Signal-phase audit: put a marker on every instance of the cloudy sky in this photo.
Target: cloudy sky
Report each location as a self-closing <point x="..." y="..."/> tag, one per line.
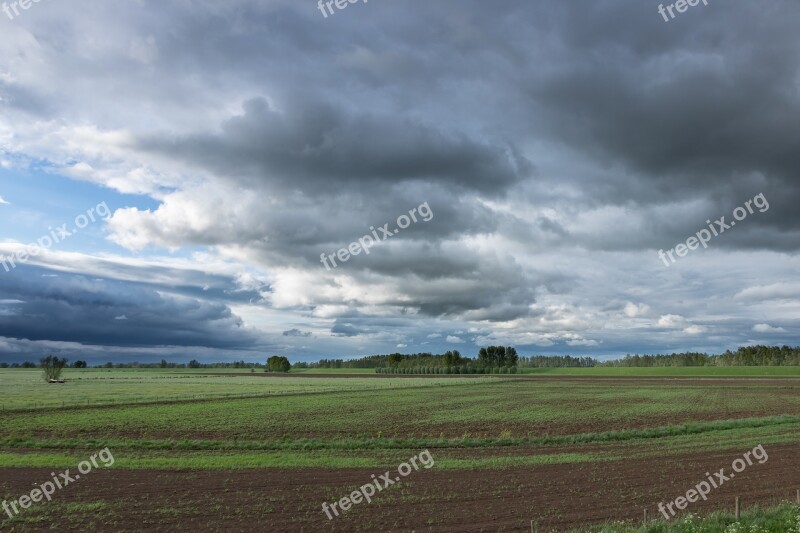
<point x="222" y="146"/>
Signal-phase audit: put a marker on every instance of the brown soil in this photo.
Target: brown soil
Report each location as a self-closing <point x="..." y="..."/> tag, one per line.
<point x="558" y="497"/>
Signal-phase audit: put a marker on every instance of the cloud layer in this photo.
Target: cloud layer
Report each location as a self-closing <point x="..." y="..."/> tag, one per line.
<point x="559" y="146"/>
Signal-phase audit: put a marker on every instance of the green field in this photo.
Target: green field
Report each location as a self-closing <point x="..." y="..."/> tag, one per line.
<point x="25" y="389"/>
<point x="333" y="371"/>
<point x="687" y="371"/>
<point x="290" y="414"/>
<point x="179" y="420"/>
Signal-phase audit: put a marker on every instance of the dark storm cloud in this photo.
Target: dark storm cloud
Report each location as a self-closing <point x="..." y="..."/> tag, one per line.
<point x="74" y="308"/>
<point x="718" y="95"/>
<point x="478" y="286"/>
<point x="557" y="143"/>
<point x="346" y="329"/>
<point x="190" y="282"/>
<point x="294" y="332"/>
<point x="702" y="107"/>
<point x="318" y="148"/>
<point x="387" y="328"/>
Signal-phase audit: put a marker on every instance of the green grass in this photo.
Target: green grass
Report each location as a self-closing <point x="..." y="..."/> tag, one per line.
<point x="457" y="453"/>
<point x="79" y="515"/>
<point x="713" y="371"/>
<point x="25" y="389"/>
<point x="332" y="371"/>
<point x="402" y="408"/>
<point x="291" y="459"/>
<point x="495" y="422"/>
<point x="783" y="518"/>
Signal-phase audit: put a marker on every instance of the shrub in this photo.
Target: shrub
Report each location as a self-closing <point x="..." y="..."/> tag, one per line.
<point x="52" y="367"/>
<point x="278" y="363"/>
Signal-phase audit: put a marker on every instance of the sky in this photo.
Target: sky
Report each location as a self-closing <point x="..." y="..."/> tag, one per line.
<point x="216" y="164"/>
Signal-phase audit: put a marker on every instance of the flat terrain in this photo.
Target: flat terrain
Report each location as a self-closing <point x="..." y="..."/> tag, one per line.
<point x="206" y="450"/>
<point x="24" y="389"/>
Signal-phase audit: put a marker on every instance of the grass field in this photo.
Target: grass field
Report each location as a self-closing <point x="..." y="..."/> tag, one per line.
<point x="693" y="371"/>
<point x="563" y="449"/>
<point x="332" y="371"/>
<point x="25" y="389"/>
<point x="688" y="371"/>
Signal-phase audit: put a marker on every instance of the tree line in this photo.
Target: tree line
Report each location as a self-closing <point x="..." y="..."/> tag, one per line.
<point x="29" y="364"/>
<point x="556" y="361"/>
<point x="758" y="355"/>
<point x="489" y="357"/>
<point x="507" y="357"/>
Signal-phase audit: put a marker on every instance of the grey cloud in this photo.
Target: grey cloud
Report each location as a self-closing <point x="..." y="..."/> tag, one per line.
<point x="318" y="148"/>
<point x="512" y="119"/>
<point x="294" y="332"/>
<point x="74" y="308"/>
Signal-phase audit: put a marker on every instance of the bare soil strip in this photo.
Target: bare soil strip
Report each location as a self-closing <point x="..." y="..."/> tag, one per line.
<point x="558" y="497"/>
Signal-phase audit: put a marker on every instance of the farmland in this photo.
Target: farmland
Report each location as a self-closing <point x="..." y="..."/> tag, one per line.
<point x="239" y="450"/>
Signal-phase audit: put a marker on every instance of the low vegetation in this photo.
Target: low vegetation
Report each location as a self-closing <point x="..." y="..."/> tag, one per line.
<point x="538" y="440"/>
<point x="52" y="367"/>
<point x="783" y="518"/>
<point x="278" y="363"/>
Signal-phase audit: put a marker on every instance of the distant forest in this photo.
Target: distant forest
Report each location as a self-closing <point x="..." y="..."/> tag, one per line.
<point x="489" y="357"/>
<point x="503" y="358"/>
<point x="745" y="356"/>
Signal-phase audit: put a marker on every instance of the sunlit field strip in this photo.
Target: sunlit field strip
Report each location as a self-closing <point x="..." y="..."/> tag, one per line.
<point x="25" y="389"/>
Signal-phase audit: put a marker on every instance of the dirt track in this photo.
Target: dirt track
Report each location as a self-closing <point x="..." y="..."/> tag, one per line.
<point x="557" y="496"/>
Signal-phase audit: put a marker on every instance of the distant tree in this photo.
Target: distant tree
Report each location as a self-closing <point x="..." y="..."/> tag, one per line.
<point x="28" y="364"/>
<point x="109" y="365"/>
<point x="194" y="363"/>
<point x="497" y="357"/>
<point x="500" y="355"/>
<point x="395" y="359"/>
<point x="556" y="361"/>
<point x="278" y="363"/>
<point x="52" y="367"/>
<point x="79" y="364"/>
<point x="511" y="356"/>
<point x="163" y="363"/>
<point x="483" y="356"/>
<point x="452" y="358"/>
<point x="3" y="365"/>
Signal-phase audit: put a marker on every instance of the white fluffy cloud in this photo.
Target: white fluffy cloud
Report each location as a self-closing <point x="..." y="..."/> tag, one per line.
<point x="551" y="197"/>
<point x="766" y="328"/>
